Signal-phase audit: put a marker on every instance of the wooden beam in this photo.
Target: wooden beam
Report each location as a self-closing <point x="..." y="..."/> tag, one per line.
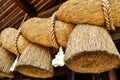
<point x="95" y="76"/>
<point x="27" y="7"/>
<point x="116" y="36"/>
<point x="48" y="12"/>
<point x="112" y="75"/>
<point x="71" y="75"/>
<point x="104" y="76"/>
<point x="11" y="20"/>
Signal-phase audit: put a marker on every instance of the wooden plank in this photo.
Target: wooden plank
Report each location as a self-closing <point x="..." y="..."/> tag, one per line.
<point x="49" y="5"/>
<point x="104" y="76"/>
<point x="112" y="75"/>
<point x="10" y="15"/>
<point x="2" y="2"/>
<point x="95" y="76"/>
<point x="116" y="36"/>
<point x="16" y="21"/>
<point x="48" y="12"/>
<point x="11" y="20"/>
<point x="5" y="5"/>
<point x="23" y="4"/>
<point x="7" y="11"/>
<point x="44" y="4"/>
<point x="71" y="75"/>
<point x="34" y="2"/>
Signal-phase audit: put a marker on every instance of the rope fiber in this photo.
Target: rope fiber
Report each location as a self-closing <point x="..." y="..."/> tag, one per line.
<point x="107" y="14"/>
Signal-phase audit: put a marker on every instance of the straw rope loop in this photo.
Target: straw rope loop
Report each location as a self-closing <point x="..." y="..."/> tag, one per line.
<point x="51" y="24"/>
<point x="107" y="15"/>
<point x="17" y="36"/>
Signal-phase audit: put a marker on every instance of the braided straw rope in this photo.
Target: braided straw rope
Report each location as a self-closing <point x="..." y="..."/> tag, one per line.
<point x="17" y="36"/>
<point x="16" y="46"/>
<point x="107" y="15"/>
<point x="51" y="24"/>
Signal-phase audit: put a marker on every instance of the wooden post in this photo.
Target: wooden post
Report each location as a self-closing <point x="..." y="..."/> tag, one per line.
<point x="112" y="75"/>
<point x="95" y="76"/>
<point x="71" y="75"/>
<point x="104" y="76"/>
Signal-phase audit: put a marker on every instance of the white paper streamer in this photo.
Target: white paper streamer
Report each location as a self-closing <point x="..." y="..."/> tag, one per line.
<point x="59" y="58"/>
<point x="13" y="66"/>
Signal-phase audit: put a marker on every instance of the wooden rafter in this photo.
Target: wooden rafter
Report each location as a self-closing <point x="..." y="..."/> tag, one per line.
<point x="23" y="4"/>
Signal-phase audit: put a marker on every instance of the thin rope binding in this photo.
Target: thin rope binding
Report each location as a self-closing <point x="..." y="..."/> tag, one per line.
<point x="107" y="14"/>
<point x="51" y="24"/>
<point x="16" y="46"/>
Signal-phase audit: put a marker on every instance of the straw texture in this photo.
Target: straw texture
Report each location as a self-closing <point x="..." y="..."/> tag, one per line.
<point x="6" y="61"/>
<point x="8" y="37"/>
<point x="0" y="41"/>
<point x="88" y="11"/>
<point x="90" y="49"/>
<point x="37" y="31"/>
<point x="37" y="64"/>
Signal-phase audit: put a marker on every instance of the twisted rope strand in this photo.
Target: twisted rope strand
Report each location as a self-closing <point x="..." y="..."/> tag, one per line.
<point x="51" y="24"/>
<point x="107" y="14"/>
<point x="16" y="46"/>
<point x="17" y="36"/>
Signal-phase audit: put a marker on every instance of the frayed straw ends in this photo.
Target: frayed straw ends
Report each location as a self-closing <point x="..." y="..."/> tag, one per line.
<point x="6" y="61"/>
<point x="90" y="49"/>
<point x="35" y="61"/>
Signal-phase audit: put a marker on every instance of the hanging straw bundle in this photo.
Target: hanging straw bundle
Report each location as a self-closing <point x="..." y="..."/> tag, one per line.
<point x="35" y="61"/>
<point x="6" y="61"/>
<point x="90" y="49"/>
<point x="90" y="11"/>
<point x="8" y="37"/>
<point x="37" y="30"/>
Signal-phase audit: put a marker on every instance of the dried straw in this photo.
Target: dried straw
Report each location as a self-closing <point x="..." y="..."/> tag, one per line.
<point x="35" y="61"/>
<point x="90" y="49"/>
<point x="8" y="37"/>
<point x="0" y="41"/>
<point x="89" y="11"/>
<point x="37" y="31"/>
<point x="6" y="61"/>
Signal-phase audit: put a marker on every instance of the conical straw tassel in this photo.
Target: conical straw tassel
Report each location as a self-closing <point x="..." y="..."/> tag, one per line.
<point x="35" y="61"/>
<point x="6" y="61"/>
<point x="90" y="49"/>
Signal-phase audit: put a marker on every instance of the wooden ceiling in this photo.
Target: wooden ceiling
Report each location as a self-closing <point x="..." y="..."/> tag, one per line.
<point x="13" y="11"/>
